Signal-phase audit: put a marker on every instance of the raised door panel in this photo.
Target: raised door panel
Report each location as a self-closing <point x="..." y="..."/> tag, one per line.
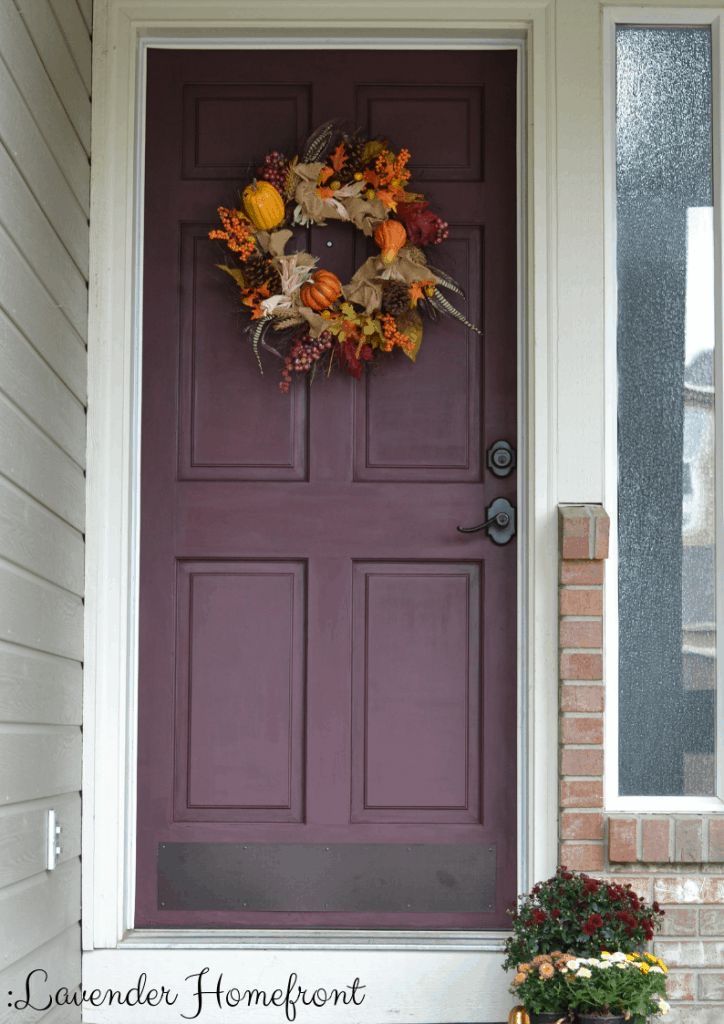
<point x="428" y="111"/>
<point x="416" y="683"/>
<point x="424" y="420"/>
<point x="233" y="423"/>
<point x="240" y="691"/>
<point x="217" y="147"/>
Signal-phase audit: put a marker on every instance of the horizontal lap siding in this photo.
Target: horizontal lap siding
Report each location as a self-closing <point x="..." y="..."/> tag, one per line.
<point x="45" y="77"/>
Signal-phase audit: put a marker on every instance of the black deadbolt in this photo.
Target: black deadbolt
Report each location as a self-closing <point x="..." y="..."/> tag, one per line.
<point x="501" y="458"/>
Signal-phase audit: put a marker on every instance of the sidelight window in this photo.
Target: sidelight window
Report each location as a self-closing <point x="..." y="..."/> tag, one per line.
<point x="668" y="368"/>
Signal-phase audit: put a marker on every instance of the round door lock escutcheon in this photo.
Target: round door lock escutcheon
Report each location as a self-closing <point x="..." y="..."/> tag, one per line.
<point x="501" y="458"/>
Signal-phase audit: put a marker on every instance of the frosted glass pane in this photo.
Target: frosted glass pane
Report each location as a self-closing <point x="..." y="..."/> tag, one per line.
<point x="665" y="265"/>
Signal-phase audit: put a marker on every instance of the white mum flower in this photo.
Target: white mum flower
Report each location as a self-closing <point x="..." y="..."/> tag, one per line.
<point x="583" y="972"/>
<point x="655" y="970"/>
<point x="663" y="1006"/>
<point x="573" y="965"/>
<point x="622" y="966"/>
<point x="605" y="964"/>
<point x="618" y="956"/>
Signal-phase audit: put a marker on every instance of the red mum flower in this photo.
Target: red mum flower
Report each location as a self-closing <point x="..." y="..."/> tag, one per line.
<point x="591" y="885"/>
<point x="594" y="922"/>
<point x="539" y="916"/>
<point x="555" y="914"/>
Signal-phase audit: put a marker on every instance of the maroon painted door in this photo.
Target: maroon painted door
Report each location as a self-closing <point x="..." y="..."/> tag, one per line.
<point x="327" y="691"/>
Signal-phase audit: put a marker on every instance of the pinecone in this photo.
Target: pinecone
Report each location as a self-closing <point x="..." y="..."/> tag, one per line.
<point x="257" y="270"/>
<point x="395" y="298"/>
<point x="274" y="280"/>
<point x="355" y="146"/>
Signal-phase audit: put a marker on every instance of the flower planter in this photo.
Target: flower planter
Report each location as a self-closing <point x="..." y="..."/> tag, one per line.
<point x="589" y="1018"/>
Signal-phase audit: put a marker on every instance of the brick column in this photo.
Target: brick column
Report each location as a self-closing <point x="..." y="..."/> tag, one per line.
<point x="676" y="859"/>
<point x="583" y="548"/>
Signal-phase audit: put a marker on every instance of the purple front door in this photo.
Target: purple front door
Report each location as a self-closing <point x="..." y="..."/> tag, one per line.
<point x="327" y="676"/>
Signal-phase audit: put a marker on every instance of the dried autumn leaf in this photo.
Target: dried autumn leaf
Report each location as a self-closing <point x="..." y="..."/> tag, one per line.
<point x="372" y="177"/>
<point x="417" y="289"/>
<point x="339" y="157"/>
<point x="411" y="325"/>
<point x="234" y="272"/>
<point x="372" y="148"/>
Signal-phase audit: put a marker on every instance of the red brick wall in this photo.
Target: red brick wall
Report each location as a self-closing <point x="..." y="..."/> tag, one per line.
<point x="675" y="859"/>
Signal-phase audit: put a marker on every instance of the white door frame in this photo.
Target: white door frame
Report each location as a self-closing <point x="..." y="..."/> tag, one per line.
<point x="122" y="32"/>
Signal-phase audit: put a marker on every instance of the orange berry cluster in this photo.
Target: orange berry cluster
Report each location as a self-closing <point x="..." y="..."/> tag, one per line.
<point x="393" y="168"/>
<point x="237" y="232"/>
<point x="393" y="335"/>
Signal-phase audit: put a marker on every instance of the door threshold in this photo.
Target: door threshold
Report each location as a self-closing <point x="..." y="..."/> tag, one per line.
<point x="309" y="938"/>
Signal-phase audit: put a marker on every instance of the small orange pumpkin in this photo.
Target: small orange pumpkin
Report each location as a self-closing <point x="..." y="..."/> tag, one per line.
<point x="263" y="205"/>
<point x="323" y="289"/>
<point x="390" y="235"/>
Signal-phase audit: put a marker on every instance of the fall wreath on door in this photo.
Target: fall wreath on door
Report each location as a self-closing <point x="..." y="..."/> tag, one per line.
<point x="303" y="313"/>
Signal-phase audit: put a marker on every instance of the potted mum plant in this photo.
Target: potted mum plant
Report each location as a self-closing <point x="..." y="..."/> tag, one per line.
<point x="617" y="987"/>
<point x="573" y="916"/>
<point x="543" y="987"/>
<point x="578" y="914"/>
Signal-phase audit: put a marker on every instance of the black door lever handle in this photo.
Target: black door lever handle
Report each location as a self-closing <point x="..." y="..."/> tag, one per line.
<point x="500" y="523"/>
<point x="499" y="519"/>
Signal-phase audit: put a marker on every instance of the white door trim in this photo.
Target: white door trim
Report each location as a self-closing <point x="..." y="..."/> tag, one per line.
<point x="122" y="30"/>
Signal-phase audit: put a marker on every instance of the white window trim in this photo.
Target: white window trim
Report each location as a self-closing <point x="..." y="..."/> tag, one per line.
<point x="685" y="16"/>
<point x="109" y="748"/>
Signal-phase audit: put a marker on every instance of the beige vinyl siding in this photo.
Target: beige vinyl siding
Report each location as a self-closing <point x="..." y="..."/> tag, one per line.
<point x="45" y="78"/>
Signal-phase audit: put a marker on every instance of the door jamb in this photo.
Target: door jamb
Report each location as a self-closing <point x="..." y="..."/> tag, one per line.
<point x="124" y="31"/>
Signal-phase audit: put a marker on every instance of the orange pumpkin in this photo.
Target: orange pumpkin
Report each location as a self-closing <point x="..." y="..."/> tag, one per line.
<point x="323" y="289"/>
<point x="390" y="235"/>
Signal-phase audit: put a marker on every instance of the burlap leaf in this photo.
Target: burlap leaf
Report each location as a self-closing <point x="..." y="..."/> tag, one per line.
<point x="274" y="242"/>
<point x="365" y="288"/>
<point x="316" y="323"/>
<point x="366" y="214"/>
<point x="407" y="270"/>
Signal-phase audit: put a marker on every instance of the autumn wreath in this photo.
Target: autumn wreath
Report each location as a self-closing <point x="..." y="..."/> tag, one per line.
<point x="303" y="313"/>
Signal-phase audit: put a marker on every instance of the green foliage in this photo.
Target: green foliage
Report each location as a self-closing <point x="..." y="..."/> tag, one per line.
<point x="630" y="985"/>
<point x="541" y="986"/>
<point x="578" y="914"/>
<point x="632" y="988"/>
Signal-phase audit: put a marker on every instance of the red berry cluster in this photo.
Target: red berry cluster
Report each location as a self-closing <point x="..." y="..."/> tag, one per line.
<point x="274" y="170"/>
<point x="303" y="354"/>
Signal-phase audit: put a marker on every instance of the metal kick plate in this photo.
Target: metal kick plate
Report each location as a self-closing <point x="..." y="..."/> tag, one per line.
<point x="422" y="878"/>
